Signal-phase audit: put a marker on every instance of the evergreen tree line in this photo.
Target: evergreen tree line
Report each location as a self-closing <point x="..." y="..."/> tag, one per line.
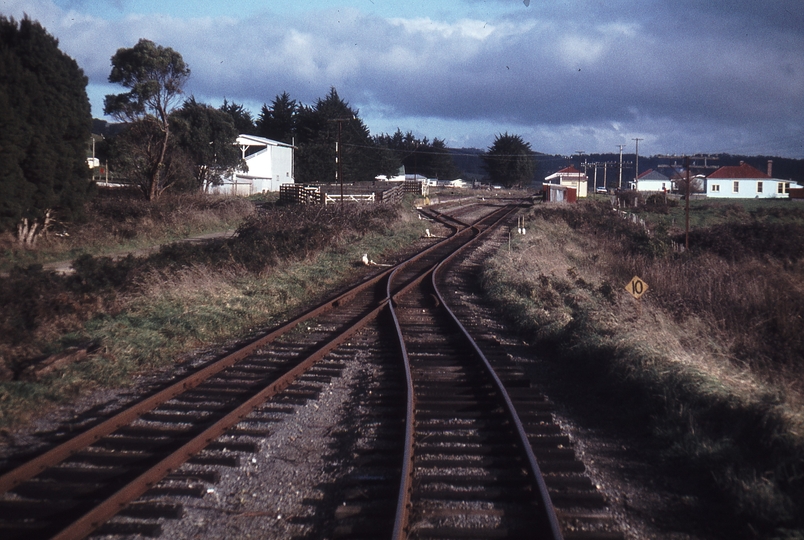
<point x="167" y="141"/>
<point x="202" y="150"/>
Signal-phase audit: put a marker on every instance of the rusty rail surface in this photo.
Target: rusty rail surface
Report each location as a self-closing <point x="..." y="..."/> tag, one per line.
<point x="402" y="525"/>
<point x="431" y="500"/>
<point x="580" y="510"/>
<point x="403" y="503"/>
<point x="90" y="520"/>
<point x="547" y="509"/>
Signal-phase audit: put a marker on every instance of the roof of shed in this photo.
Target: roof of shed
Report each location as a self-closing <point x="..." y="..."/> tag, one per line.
<point x="570" y="171"/>
<point x="253" y="140"/>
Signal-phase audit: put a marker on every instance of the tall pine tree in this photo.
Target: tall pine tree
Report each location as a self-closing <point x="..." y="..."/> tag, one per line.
<point x="510" y="161"/>
<point x="317" y="132"/>
<point x="278" y="122"/>
<point x="45" y="128"/>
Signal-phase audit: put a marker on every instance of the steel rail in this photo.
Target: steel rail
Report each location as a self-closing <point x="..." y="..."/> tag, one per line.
<point x="401" y="519"/>
<point x="28" y="470"/>
<point x="403" y="500"/>
<point x="534" y="471"/>
<point x="10" y="479"/>
<point x="91" y="520"/>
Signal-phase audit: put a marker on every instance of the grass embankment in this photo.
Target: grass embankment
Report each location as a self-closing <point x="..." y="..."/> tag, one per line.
<point x="144" y="313"/>
<point x="710" y="361"/>
<point x="120" y="220"/>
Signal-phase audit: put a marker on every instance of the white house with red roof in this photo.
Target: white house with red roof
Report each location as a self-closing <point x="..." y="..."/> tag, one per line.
<point x="746" y="182"/>
<point x="570" y="177"/>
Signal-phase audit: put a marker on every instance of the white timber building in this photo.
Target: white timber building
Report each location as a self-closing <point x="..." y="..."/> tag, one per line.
<point x="572" y="178"/>
<point x="652" y="181"/>
<point x="270" y="164"/>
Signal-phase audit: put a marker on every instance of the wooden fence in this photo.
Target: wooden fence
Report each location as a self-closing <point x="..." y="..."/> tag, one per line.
<point x="332" y="198"/>
<point x="297" y="193"/>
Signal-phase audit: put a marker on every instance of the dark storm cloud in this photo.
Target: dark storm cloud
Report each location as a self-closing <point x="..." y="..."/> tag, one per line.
<point x="705" y="76"/>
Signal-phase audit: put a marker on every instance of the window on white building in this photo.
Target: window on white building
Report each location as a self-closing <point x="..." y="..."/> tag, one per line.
<point x="759" y="187"/>
<point x="782" y="187"/>
<point x="715" y="188"/>
<point x="736" y="187"/>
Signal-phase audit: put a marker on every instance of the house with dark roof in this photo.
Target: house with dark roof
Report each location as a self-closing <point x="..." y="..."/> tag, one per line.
<point x="652" y="181"/>
<point x="570" y="177"/>
<point x="746" y="182"/>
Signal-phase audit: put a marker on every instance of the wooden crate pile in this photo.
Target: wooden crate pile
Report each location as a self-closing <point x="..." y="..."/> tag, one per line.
<point x="297" y="193"/>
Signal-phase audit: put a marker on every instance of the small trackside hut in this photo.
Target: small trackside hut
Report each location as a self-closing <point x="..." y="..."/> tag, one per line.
<point x="569" y="177"/>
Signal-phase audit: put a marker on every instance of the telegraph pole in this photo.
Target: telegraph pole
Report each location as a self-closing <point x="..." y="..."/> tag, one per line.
<point x="620" y="184"/>
<point x="688" y="164"/>
<point x="580" y="153"/>
<point x="338" y="168"/>
<point x="636" y="173"/>
<point x="687" y="216"/>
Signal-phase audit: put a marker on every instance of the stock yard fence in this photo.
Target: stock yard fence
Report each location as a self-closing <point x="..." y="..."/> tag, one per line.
<point x="301" y="194"/>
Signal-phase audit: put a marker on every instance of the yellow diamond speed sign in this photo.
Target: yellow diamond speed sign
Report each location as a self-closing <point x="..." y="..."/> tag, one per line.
<point x="636" y="287"/>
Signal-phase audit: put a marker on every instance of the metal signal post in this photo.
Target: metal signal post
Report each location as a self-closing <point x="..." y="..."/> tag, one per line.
<point x="339" y="169"/>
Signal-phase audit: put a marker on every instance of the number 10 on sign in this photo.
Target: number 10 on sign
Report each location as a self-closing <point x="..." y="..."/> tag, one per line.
<point x="636" y="287"/>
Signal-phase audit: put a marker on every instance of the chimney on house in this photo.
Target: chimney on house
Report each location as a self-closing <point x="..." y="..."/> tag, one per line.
<point x="770" y="168"/>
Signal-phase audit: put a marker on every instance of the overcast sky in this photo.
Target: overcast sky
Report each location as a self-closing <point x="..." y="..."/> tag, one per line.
<point x="685" y="76"/>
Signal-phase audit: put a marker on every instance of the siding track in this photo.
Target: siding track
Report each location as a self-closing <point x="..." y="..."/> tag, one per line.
<point x="469" y="470"/>
<point x="447" y="446"/>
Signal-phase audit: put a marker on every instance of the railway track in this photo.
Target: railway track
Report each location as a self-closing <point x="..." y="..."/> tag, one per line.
<point x="473" y="428"/>
<point x="580" y="508"/>
<point x="469" y="470"/>
<point x="74" y="488"/>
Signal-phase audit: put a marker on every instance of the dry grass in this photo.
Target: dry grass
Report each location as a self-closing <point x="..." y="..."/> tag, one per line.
<point x="123" y="221"/>
<point x="145" y="313"/>
<point x="707" y="358"/>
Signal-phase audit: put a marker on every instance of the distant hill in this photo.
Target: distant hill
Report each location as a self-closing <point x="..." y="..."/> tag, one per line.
<point x="107" y="129"/>
<point x="468" y="162"/>
<point x="782" y="168"/>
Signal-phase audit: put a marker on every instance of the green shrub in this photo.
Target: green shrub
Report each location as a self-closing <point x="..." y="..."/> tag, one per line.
<point x="736" y="242"/>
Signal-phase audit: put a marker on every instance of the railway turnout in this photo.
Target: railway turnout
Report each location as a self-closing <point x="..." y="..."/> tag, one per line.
<point x="464" y="463"/>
